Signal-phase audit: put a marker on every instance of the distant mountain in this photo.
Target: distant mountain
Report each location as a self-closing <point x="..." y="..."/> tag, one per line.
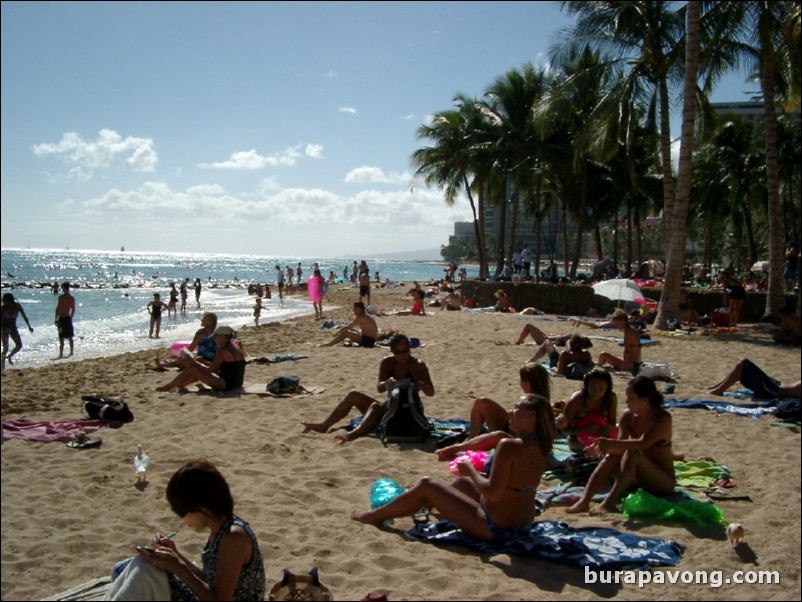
<point x="421" y="255"/>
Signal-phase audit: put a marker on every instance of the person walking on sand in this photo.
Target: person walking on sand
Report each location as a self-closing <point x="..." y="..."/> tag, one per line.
<point x="364" y="287"/>
<point x="316" y="287"/>
<point x="12" y="309"/>
<point x="155" y="309"/>
<point x="393" y="368"/>
<point x="363" y="330"/>
<point x="65" y="310"/>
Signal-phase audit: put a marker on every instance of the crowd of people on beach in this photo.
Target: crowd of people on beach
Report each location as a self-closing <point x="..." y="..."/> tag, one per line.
<point x="495" y="502"/>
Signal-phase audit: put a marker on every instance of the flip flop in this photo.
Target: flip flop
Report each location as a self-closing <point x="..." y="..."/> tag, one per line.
<point x="85" y="442"/>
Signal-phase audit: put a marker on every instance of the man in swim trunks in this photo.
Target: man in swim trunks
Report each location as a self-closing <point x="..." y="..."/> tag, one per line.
<point x="761" y="384"/>
<point x="12" y="309"/>
<point x="364" y="286"/>
<point x="363" y="330"/>
<point x="392" y="369"/>
<point x="65" y="310"/>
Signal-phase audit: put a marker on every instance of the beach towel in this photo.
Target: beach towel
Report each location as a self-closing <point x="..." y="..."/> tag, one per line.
<point x="48" y="431"/>
<point x="644" y="505"/>
<point x="560" y="543"/>
<point x="700" y="473"/>
<point x="286" y="357"/>
<point x="753" y="410"/>
<point x="250" y="389"/>
<point x="440" y="428"/>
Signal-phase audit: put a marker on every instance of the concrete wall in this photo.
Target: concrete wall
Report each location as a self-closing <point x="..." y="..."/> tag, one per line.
<point x="576" y="299"/>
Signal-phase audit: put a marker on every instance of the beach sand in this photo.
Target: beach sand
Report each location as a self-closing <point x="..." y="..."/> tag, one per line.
<point x="69" y="514"/>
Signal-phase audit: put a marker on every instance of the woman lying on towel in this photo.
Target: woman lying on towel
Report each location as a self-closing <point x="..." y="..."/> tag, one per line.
<point x="232" y="569"/>
<point x="226" y="372"/>
<point x="499" y="507"/>
<point x="642" y="456"/>
<point x="590" y="412"/>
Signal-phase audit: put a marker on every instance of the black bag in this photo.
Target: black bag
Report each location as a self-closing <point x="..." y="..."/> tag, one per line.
<point x="789" y="410"/>
<point x="107" y="408"/>
<point x="285" y="385"/>
<point x="404" y="419"/>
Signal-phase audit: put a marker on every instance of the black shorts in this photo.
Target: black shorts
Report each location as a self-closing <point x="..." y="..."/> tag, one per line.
<point x="65" y="330"/>
<point x="364" y="290"/>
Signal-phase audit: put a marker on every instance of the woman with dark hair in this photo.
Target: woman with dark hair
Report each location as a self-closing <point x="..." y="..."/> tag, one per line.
<point x="232" y="569"/>
<point x="497" y="507"/>
<point x="590" y="412"/>
<point x="642" y="455"/>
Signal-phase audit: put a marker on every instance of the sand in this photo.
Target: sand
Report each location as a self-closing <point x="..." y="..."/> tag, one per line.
<point x="68" y="514"/>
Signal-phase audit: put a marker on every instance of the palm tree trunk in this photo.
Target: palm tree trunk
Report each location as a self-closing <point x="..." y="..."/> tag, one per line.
<point x="669" y="301"/>
<point x="775" y="298"/>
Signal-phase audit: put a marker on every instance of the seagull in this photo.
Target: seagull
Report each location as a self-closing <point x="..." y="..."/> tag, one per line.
<point x="735" y="533"/>
<point x="141" y="463"/>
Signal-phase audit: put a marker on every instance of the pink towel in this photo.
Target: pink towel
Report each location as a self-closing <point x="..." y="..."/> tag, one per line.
<point x="46" y="431"/>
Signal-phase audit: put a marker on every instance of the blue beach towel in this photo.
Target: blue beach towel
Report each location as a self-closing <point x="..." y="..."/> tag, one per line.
<point x="754" y="410"/>
<point x="558" y="542"/>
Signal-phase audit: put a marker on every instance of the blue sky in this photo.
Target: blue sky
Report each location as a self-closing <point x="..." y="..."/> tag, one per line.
<point x="271" y="128"/>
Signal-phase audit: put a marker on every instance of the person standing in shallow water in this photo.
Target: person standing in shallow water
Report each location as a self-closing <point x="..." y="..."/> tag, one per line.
<point x="11" y="309"/>
<point x="198" y="286"/>
<point x="65" y="310"/>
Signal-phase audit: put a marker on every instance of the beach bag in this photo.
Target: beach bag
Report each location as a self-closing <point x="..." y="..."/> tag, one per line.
<point x="285" y="385"/>
<point x="578" y="370"/>
<point x="107" y="408"/>
<point x="404" y="419"/>
<point x="300" y="587"/>
<point x="655" y="370"/>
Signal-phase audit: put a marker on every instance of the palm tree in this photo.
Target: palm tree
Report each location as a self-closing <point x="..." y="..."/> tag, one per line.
<point x="452" y="160"/>
<point x="509" y="109"/>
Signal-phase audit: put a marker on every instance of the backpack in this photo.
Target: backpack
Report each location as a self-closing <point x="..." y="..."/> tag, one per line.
<point x="285" y="385"/>
<point x="404" y="419"/>
<point x="107" y="408"/>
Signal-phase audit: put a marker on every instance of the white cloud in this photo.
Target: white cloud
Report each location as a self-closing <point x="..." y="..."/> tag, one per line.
<point x="314" y="150"/>
<point x="331" y="73"/>
<point x="366" y="174"/>
<point x="351" y="110"/>
<point x="271" y="205"/>
<point x="253" y="160"/>
<point x="108" y="150"/>
<point x="409" y="117"/>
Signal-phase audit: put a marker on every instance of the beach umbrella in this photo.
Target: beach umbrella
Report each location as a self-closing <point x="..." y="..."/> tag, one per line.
<point x="618" y="289"/>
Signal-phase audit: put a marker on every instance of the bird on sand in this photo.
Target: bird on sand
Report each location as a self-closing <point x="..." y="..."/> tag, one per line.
<point x="735" y="533"/>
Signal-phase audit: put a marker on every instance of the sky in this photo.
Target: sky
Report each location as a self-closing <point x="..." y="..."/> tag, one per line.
<point x="266" y="128"/>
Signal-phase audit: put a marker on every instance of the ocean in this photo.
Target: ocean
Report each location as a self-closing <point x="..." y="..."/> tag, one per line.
<point x="112" y="290"/>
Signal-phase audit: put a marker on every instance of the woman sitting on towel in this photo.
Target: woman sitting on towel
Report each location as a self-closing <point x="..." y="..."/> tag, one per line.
<point x="486" y="412"/>
<point x="499" y="507"/>
<point x="233" y="568"/>
<point x="203" y="345"/>
<point x="590" y="412"/>
<point x="226" y="372"/>
<point x="641" y="456"/>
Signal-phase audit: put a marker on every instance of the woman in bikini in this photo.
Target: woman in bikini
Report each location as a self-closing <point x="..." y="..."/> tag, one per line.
<point x="498" y="507"/>
<point x="642" y="456"/>
<point x="226" y="372"/>
<point x="590" y="412"/>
